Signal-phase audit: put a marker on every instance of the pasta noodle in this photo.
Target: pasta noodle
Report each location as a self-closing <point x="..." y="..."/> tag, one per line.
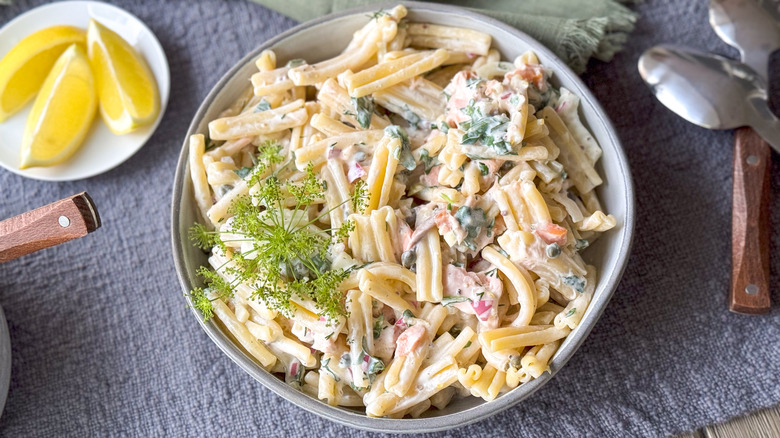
<point x="400" y="225"/>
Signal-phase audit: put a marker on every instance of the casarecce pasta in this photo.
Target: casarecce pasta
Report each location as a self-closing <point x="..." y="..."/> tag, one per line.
<point x="445" y="196"/>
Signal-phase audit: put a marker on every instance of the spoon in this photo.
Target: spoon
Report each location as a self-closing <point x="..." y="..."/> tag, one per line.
<point x="753" y="27"/>
<point x="749" y="27"/>
<point x="719" y="93"/>
<point x="710" y="91"/>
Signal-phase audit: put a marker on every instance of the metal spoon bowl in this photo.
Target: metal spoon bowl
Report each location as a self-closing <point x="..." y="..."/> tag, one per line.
<point x="749" y="26"/>
<point x="710" y="91"/>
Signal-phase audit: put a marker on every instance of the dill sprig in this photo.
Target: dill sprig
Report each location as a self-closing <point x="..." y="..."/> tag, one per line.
<point x="360" y="196"/>
<point x="217" y="286"/>
<point x="202" y="302"/>
<point x="268" y="153"/>
<point x="202" y="237"/>
<point x="288" y="256"/>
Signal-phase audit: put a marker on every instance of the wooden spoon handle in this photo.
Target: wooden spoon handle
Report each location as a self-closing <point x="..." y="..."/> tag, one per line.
<point x="50" y="225"/>
<point x="750" y="224"/>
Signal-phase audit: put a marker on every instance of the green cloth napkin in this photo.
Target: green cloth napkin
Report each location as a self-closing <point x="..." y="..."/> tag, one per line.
<point x="575" y="30"/>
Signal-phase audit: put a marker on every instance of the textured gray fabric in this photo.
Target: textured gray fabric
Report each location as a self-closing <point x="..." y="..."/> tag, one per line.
<point x="104" y="346"/>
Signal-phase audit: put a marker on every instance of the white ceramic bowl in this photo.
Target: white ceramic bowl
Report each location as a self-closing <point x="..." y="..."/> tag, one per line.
<point x="326" y="37"/>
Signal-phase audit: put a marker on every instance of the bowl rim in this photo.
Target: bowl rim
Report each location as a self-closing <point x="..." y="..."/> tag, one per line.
<point x="449" y="421"/>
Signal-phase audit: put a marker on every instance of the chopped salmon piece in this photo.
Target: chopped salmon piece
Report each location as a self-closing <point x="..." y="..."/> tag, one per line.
<point x="409" y="340"/>
<point x="552" y="233"/>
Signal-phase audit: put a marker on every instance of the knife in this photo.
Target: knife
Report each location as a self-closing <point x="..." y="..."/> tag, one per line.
<point x="50" y="225"/>
<point x="754" y="29"/>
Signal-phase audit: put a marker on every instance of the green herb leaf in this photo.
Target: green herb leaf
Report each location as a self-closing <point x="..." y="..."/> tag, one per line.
<point x="364" y="107"/>
<point x="209" y="142"/>
<point x="295" y="62"/>
<point x="294" y="373"/>
<point x="576" y="282"/>
<point x="378" y="326"/>
<point x="473" y="220"/>
<point x="324" y="366"/>
<point x="410" y="116"/>
<point x="377" y="14"/>
<point x="243" y="172"/>
<point x="448" y="301"/>
<point x="571" y="312"/>
<point x="474" y="82"/>
<point x="405" y="156"/>
<point x="262" y="106"/>
<point x="490" y="131"/>
<point x="375" y="365"/>
<point x="427" y="160"/>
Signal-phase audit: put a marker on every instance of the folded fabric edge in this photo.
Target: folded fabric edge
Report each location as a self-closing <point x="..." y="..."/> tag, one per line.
<point x="582" y="39"/>
<point x="621" y="19"/>
<point x="619" y="26"/>
<point x="610" y="45"/>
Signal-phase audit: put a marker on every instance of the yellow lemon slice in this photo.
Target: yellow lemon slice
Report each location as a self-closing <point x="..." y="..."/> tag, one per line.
<point x="23" y="69"/>
<point x="126" y="87"/>
<point x="62" y="113"/>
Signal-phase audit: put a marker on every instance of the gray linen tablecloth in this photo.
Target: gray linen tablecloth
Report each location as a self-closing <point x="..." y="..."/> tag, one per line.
<point x="103" y="344"/>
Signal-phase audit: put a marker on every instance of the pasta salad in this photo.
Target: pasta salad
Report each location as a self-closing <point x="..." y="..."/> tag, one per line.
<point x="402" y="224"/>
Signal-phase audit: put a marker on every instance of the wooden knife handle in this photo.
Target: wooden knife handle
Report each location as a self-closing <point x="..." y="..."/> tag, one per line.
<point x="50" y="225"/>
<point x="750" y="224"/>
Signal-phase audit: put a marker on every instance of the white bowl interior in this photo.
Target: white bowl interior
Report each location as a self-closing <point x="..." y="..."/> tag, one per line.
<point x="609" y="254"/>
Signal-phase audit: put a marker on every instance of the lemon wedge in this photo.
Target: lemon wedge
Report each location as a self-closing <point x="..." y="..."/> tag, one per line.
<point x="23" y="69"/>
<point x="62" y="113"/>
<point x="126" y="87"/>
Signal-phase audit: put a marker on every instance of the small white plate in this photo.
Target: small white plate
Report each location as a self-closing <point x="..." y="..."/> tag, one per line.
<point x="102" y="150"/>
